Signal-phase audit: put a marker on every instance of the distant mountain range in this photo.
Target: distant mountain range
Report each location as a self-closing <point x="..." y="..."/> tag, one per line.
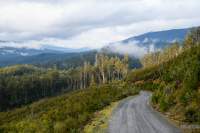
<point x="46" y="56"/>
<point x="49" y="54"/>
<point x="160" y="39"/>
<point x="25" y="51"/>
<point x="64" y="50"/>
<point x="147" y="42"/>
<point x="11" y="51"/>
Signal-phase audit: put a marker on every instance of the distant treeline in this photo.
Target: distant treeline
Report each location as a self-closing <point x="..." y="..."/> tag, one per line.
<point x="62" y="61"/>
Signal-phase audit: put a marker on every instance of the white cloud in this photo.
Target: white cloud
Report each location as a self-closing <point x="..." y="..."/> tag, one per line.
<point x="91" y="23"/>
<point x="132" y="49"/>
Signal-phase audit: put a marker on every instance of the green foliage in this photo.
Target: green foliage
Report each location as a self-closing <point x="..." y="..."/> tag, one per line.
<point x="23" y="84"/>
<point x="143" y="74"/>
<point x="67" y="113"/>
<point x="193" y="38"/>
<point x="163" y="105"/>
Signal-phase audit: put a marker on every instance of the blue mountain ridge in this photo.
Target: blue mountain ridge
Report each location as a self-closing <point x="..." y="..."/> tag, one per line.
<point x="160" y="39"/>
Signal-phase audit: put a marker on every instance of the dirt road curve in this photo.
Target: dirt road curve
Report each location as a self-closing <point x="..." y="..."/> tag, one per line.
<point x="134" y="115"/>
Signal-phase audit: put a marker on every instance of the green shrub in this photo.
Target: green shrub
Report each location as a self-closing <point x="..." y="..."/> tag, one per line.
<point x="155" y="99"/>
<point x="60" y="127"/>
<point x="163" y="104"/>
<point x="192" y="115"/>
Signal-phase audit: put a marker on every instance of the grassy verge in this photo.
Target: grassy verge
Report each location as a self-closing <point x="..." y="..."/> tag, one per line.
<point x="99" y="123"/>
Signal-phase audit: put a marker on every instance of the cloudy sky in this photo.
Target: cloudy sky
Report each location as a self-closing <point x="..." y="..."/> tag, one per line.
<point x="90" y="23"/>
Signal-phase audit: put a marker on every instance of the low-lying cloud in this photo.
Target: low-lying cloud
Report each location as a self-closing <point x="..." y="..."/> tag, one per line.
<point x="132" y="49"/>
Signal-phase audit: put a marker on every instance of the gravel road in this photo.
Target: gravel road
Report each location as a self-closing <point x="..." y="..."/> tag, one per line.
<point x="135" y="115"/>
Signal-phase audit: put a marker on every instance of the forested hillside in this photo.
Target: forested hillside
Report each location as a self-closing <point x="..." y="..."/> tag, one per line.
<point x="174" y="77"/>
<point x="66" y="113"/>
<point x="23" y="84"/>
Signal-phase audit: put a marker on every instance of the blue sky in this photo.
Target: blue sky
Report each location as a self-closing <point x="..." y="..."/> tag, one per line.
<point x="90" y="23"/>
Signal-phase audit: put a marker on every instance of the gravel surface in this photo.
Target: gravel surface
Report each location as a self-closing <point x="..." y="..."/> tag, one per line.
<point x="135" y="115"/>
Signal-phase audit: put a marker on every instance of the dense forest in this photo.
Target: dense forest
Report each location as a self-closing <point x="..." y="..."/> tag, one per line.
<point x="24" y="84"/>
<point x="171" y="74"/>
